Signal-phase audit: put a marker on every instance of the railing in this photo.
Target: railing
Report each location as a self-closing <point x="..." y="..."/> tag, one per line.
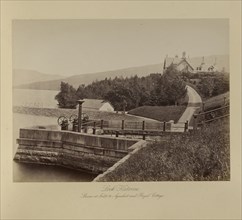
<point x="126" y="127"/>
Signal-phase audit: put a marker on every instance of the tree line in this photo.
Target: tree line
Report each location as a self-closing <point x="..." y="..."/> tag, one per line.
<point x="208" y="84"/>
<point x="128" y="93"/>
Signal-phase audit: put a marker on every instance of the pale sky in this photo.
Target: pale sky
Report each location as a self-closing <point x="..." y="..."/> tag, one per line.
<point x="70" y="47"/>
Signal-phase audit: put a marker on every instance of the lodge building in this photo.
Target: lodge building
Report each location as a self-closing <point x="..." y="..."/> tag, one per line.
<point x="185" y="64"/>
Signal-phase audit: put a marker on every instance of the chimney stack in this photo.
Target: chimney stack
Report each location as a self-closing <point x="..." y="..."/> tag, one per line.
<point x="184" y="55"/>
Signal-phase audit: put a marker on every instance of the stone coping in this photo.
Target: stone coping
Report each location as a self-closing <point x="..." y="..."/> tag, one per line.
<point x="133" y="150"/>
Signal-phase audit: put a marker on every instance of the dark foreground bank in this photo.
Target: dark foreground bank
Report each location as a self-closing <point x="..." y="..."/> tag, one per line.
<point x="200" y="156"/>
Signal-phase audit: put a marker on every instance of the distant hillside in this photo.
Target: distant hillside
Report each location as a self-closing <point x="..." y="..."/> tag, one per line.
<point x="90" y="77"/>
<point x="221" y="60"/>
<point x="23" y="76"/>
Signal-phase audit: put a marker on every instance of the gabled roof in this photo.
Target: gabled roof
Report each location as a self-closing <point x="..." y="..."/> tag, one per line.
<point x="93" y="103"/>
<point x="176" y="61"/>
<point x="194" y="63"/>
<point x="188" y="62"/>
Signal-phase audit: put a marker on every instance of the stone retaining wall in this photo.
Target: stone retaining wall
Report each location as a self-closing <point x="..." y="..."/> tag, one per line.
<point x="90" y="153"/>
<point x="133" y="150"/>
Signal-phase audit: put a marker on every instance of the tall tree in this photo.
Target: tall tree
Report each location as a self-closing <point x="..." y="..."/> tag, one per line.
<point x="67" y="97"/>
<point x="206" y="86"/>
<point x="170" y="87"/>
<point x="120" y="95"/>
<point x="81" y="92"/>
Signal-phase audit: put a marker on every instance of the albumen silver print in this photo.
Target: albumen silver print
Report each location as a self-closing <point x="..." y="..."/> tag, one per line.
<point x="121" y="100"/>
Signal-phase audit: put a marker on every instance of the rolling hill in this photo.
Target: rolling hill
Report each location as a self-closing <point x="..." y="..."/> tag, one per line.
<point x="90" y="77"/>
<point x="24" y="76"/>
<point x="54" y="84"/>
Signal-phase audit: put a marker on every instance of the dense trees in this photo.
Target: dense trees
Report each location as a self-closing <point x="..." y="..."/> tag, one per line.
<point x="213" y="85"/>
<point x="128" y="93"/>
<point x="155" y="89"/>
<point x="208" y="84"/>
<point x="221" y="85"/>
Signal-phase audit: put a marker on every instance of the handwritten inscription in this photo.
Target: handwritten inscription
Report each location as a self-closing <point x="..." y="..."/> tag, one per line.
<point x="121" y="192"/>
<point x="118" y="188"/>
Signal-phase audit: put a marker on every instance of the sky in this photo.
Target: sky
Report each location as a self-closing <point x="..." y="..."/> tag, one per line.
<point x="71" y="47"/>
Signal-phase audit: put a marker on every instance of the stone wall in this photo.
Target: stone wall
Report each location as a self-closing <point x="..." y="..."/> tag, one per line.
<point x="90" y="153"/>
<point x="133" y="150"/>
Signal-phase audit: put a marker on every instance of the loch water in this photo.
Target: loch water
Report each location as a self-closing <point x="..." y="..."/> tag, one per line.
<point x="23" y="172"/>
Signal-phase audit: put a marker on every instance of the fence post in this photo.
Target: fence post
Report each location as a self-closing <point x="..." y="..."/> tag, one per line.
<point x="116" y="133"/>
<point x="122" y="125"/>
<point x="186" y="126"/>
<point x="203" y="106"/>
<point x="143" y="128"/>
<point x="194" y="122"/>
<point x="94" y="127"/>
<point x="164" y="126"/>
<point x="224" y="100"/>
<point x="143" y="135"/>
<point x="101" y="126"/>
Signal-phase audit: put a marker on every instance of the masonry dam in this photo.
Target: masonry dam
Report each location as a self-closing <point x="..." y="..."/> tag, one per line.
<point x="96" y="153"/>
<point x="80" y="151"/>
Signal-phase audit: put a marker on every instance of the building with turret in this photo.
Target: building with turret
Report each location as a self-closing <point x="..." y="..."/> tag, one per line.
<point x="185" y="64"/>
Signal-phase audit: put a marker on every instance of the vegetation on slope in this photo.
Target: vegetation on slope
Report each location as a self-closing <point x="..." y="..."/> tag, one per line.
<point x="200" y="156"/>
<point x="128" y="93"/>
<point x="207" y="84"/>
<point x="160" y="113"/>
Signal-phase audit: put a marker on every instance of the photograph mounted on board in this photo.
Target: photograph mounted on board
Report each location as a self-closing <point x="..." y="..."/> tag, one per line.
<point x="121" y="100"/>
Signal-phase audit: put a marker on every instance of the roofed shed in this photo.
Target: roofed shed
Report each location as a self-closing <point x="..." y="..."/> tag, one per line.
<point x="97" y="104"/>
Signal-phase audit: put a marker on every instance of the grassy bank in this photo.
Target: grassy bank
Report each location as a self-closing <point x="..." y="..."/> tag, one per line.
<point x="56" y="112"/>
<point x="160" y="113"/>
<point x="216" y="101"/>
<point x="200" y="156"/>
<point x="213" y="103"/>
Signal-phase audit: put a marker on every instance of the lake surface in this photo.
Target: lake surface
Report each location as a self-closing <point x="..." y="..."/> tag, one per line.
<point x="35" y="98"/>
<point x="41" y="173"/>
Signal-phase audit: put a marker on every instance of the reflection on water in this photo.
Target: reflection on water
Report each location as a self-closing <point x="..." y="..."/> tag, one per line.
<point x="41" y="173"/>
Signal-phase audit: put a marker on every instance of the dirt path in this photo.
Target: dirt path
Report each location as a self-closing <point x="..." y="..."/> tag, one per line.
<point x="194" y="102"/>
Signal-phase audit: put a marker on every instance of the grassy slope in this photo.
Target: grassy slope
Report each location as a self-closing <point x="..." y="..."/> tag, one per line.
<point x="212" y="103"/>
<point x="204" y="155"/>
<point x="216" y="101"/>
<point x="93" y="115"/>
<point x="160" y="113"/>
